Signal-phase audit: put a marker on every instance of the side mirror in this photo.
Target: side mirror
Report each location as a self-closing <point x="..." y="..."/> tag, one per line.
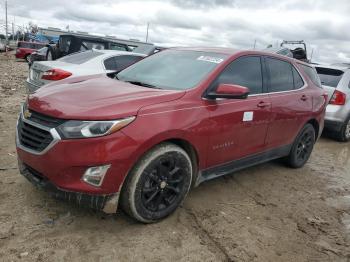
<point x="229" y="91"/>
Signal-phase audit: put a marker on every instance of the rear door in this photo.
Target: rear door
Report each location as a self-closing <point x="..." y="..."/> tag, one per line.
<point x="291" y="102"/>
<point x="241" y="124"/>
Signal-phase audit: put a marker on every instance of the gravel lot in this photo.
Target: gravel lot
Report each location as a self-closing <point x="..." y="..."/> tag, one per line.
<point x="265" y="213"/>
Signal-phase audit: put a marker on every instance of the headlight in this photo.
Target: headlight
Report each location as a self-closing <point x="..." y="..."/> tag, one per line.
<point x="83" y="129"/>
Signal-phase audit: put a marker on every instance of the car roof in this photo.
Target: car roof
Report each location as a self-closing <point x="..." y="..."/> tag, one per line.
<point x="220" y="50"/>
<point x="232" y="51"/>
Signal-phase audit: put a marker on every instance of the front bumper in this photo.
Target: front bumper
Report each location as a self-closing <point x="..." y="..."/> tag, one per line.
<point x="61" y="165"/>
<point x="97" y="202"/>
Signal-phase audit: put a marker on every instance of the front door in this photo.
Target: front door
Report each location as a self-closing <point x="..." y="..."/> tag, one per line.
<point x="239" y="126"/>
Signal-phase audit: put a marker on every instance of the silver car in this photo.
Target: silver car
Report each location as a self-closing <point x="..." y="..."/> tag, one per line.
<point x="91" y="62"/>
<point x="336" y="81"/>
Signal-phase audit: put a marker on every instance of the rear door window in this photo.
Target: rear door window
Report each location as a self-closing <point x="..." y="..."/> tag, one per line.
<point x="281" y="75"/>
<point x="329" y="77"/>
<point x="244" y="71"/>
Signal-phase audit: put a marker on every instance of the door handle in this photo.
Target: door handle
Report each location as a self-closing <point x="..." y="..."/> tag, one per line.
<point x="263" y="104"/>
<point x="304" y="98"/>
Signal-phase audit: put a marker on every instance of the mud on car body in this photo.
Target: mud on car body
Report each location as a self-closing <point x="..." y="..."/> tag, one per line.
<point x="166" y="123"/>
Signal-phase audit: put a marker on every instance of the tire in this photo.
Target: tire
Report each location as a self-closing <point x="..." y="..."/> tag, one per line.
<point x="344" y="134"/>
<point x="302" y="147"/>
<point x="157" y="184"/>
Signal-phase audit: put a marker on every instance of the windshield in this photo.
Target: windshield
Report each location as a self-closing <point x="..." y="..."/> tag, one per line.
<point x="329" y="77"/>
<point x="172" y="69"/>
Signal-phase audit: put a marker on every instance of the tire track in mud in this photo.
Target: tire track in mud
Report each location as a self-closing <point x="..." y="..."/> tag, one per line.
<point x="215" y="246"/>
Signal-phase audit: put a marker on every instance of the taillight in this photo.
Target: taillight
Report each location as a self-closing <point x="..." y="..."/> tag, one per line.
<point x="55" y="74"/>
<point x="338" y="98"/>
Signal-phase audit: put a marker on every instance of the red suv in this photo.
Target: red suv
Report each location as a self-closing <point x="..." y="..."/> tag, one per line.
<point x="25" y="49"/>
<point x="166" y="123"/>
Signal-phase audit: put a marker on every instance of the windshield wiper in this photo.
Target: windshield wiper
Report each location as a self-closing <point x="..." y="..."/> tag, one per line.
<point x="143" y="84"/>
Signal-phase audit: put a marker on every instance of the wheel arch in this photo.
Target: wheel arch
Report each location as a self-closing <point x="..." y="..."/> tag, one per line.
<point x="315" y="125"/>
<point x="183" y="143"/>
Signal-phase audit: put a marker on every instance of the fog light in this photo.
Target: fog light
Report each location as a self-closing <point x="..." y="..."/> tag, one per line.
<point x="94" y="175"/>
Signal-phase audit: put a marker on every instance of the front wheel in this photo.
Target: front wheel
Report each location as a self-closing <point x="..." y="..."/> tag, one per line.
<point x="158" y="183"/>
<point x="302" y="147"/>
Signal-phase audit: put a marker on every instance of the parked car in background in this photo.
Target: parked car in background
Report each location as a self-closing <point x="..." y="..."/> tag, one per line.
<point x="336" y="81"/>
<point x="38" y="55"/>
<point x="300" y="50"/>
<point x="72" y="43"/>
<point x="2" y="46"/>
<point x="172" y="120"/>
<point x="25" y="49"/>
<point x="86" y="63"/>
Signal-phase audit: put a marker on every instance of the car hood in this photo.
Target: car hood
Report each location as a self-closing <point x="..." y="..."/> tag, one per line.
<point x="97" y="99"/>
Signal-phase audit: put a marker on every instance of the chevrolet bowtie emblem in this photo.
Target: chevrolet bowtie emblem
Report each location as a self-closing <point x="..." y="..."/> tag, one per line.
<point x="27" y="114"/>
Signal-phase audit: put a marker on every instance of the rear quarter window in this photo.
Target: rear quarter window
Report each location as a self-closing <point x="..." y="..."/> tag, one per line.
<point x="312" y="74"/>
<point x="329" y="77"/>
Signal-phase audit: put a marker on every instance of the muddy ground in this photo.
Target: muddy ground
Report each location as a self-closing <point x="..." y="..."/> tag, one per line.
<point x="265" y="213"/>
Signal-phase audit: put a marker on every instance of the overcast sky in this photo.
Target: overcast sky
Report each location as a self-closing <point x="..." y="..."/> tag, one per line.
<point x="323" y="24"/>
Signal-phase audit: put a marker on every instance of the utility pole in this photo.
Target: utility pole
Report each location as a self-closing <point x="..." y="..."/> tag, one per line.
<point x="254" y="43"/>
<point x="6" y="39"/>
<point x="147" y="32"/>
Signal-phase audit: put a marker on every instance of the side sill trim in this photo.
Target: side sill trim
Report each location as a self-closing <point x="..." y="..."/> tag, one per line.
<point x="236" y="165"/>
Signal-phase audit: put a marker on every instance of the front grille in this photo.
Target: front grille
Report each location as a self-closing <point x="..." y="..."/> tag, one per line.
<point x="45" y="120"/>
<point x="33" y="137"/>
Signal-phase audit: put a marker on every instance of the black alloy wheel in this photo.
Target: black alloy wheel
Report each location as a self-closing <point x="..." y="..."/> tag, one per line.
<point x="157" y="184"/>
<point x="164" y="183"/>
<point x="302" y="147"/>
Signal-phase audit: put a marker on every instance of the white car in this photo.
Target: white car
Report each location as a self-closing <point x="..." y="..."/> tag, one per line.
<point x="91" y="62"/>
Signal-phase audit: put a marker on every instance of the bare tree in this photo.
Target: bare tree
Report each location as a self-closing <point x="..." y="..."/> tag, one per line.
<point x="33" y="28"/>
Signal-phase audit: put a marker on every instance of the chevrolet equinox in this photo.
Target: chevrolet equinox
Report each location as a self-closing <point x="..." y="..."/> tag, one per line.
<point x="166" y="123"/>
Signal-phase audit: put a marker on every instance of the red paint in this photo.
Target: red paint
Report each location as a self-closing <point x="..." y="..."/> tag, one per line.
<point x="228" y="89"/>
<point x="23" y="52"/>
<point x="214" y="128"/>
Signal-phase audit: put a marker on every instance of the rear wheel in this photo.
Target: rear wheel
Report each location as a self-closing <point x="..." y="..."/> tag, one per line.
<point x="158" y="183"/>
<point x="302" y="147"/>
<point x="344" y="134"/>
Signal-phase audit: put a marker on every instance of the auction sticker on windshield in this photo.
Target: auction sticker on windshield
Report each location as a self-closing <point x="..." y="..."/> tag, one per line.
<point x="211" y="59"/>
